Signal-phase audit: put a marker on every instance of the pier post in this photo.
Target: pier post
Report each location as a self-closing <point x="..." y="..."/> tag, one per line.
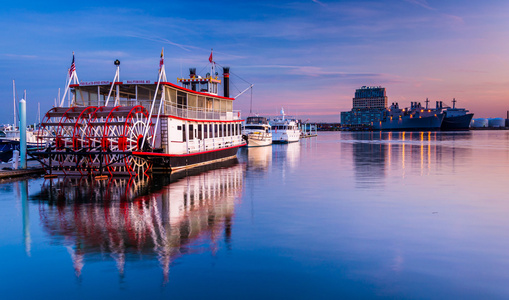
<point x="23" y="134"/>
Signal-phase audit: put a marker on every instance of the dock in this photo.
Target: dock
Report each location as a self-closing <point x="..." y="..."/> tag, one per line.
<point x="34" y="168"/>
<point x="303" y="136"/>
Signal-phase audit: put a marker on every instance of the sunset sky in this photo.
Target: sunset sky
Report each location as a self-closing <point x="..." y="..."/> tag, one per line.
<point x="305" y="56"/>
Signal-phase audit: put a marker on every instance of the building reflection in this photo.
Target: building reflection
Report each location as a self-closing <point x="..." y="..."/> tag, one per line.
<point x="377" y="155"/>
<point x="369" y="157"/>
<point x="128" y="219"/>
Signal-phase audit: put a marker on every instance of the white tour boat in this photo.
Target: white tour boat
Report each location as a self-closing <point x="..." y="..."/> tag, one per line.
<point x="257" y="132"/>
<point x="285" y="129"/>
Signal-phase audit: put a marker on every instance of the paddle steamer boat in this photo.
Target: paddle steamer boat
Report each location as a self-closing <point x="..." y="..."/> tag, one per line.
<point x="139" y="126"/>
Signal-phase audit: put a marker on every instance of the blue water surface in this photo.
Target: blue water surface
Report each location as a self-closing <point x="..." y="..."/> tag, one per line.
<point x="419" y="215"/>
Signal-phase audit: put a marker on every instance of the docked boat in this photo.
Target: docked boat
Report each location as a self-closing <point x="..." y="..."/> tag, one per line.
<point x="133" y="127"/>
<point x="455" y="118"/>
<point x="285" y="129"/>
<point x="12" y="135"/>
<point x="414" y="118"/>
<point x="9" y="141"/>
<point x="6" y="150"/>
<point x="257" y="132"/>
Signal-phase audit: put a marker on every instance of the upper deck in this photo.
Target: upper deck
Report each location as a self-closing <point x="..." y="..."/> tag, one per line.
<point x="178" y="101"/>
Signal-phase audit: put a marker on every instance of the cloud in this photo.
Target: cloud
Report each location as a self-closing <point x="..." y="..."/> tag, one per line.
<point x="422" y="3"/>
<point x="313" y="71"/>
<point x="319" y="2"/>
<point x="160" y="40"/>
<point x="10" y="55"/>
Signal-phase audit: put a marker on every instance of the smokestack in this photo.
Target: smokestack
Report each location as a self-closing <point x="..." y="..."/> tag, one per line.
<point x="226" y="84"/>
<point x="192" y="75"/>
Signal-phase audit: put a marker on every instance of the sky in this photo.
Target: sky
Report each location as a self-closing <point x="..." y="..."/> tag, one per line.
<point x="306" y="56"/>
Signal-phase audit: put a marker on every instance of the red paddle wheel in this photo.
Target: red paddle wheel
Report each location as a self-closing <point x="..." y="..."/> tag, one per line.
<point x="92" y="140"/>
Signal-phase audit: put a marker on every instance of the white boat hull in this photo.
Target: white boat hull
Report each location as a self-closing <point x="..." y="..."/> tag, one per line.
<point x="259" y="140"/>
<point x="286" y="136"/>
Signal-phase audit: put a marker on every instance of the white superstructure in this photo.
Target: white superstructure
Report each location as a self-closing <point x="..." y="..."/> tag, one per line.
<point x="285" y="129"/>
<point x="257" y="132"/>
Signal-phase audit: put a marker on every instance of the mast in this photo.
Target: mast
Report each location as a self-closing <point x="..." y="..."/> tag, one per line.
<point x="453" y="103"/>
<point x="14" y="102"/>
<point x="38" y="113"/>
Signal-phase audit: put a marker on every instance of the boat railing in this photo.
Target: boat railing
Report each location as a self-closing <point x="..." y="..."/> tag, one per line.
<point x="187" y="112"/>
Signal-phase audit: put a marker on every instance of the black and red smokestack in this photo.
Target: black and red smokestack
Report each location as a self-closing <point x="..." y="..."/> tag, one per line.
<point x="226" y="85"/>
<point x="192" y="75"/>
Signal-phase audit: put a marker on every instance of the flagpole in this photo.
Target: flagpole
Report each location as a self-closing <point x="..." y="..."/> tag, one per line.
<point x="161" y="71"/>
<point x="72" y="75"/>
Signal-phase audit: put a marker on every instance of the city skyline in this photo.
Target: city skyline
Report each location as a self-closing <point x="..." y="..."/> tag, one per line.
<point x="305" y="56"/>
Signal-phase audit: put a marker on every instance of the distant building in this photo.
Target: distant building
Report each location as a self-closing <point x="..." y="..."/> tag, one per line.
<point x="368" y="97"/>
<point x="368" y="106"/>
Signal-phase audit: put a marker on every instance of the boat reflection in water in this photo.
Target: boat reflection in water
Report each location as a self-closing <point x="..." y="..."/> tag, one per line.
<point x="160" y="219"/>
<point x="256" y="158"/>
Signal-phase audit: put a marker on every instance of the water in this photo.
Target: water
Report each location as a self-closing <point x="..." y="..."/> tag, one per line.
<point x="343" y="215"/>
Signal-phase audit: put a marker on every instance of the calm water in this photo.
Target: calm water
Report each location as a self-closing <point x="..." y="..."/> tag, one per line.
<point x="343" y="215"/>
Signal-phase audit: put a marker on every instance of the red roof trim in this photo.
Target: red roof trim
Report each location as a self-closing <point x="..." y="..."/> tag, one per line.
<point x="183" y="155"/>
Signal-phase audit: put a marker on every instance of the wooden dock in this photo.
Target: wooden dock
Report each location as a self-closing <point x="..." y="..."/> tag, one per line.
<point x="33" y="168"/>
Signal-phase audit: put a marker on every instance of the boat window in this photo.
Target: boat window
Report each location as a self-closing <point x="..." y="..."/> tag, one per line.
<point x="201" y="102"/>
<point x="255" y="127"/>
<point x="181" y="100"/>
<point x="184" y="135"/>
<point x="192" y="101"/>
<point x="216" y="105"/>
<point x="205" y="131"/>
<point x="199" y="132"/>
<point x="209" y="104"/>
<point x="191" y="132"/>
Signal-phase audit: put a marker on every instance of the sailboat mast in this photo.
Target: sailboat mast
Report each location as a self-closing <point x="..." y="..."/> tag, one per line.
<point x="14" y="102"/>
<point x="38" y="113"/>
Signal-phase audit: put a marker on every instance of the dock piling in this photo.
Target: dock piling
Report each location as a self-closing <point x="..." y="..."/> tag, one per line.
<point x="22" y="134"/>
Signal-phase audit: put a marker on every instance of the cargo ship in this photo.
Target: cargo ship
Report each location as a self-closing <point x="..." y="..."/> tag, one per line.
<point x="455" y="118"/>
<point x="415" y="118"/>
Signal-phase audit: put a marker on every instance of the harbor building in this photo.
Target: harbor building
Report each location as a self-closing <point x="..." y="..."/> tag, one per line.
<point x="368" y="106"/>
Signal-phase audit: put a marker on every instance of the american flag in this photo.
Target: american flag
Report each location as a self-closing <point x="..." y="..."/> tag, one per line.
<point x="73" y="67"/>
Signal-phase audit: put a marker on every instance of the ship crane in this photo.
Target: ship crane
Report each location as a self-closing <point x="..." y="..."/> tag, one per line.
<point x="251" y="86"/>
